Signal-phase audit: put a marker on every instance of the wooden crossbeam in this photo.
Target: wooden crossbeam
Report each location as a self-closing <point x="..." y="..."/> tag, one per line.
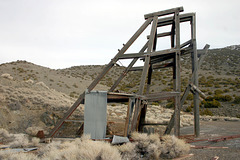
<point x="169" y="20"/>
<point x="163" y="13"/>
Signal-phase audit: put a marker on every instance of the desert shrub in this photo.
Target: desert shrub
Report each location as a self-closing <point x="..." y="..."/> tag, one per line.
<point x="157" y="103"/>
<point x="206" y="112"/>
<point x="237" y="100"/>
<point x="225" y="98"/>
<point x="188" y="109"/>
<point x="17" y="140"/>
<point x="170" y="105"/>
<point x="219" y="97"/>
<point x="218" y="91"/>
<point x="152" y="147"/>
<point x="226" y="90"/>
<point x="211" y="104"/>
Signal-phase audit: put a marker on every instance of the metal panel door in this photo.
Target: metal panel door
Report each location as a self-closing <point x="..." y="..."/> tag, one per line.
<point x="95" y="114"/>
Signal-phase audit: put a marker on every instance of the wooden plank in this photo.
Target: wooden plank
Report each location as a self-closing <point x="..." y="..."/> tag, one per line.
<point x="163" y="52"/>
<point x="157" y="66"/>
<point x="132" y="55"/>
<point x="186" y="43"/>
<point x="164" y="34"/>
<point x="161" y="94"/>
<point x="177" y="85"/>
<point x="142" y="117"/>
<point x="160" y="58"/>
<point x="173" y="35"/>
<point x="73" y="120"/>
<point x="195" y="75"/>
<point x="205" y="50"/>
<point x="147" y="58"/>
<point x="127" y="119"/>
<point x="149" y="79"/>
<point x="135" y="115"/>
<point x="196" y="89"/>
<point x="163" y="13"/>
<point x="169" y="20"/>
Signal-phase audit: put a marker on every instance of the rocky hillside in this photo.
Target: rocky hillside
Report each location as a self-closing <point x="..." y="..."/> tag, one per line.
<point x="33" y="95"/>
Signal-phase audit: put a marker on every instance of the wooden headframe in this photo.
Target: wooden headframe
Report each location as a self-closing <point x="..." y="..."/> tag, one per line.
<point x="153" y="60"/>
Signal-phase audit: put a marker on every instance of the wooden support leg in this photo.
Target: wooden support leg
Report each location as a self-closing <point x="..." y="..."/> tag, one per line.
<point x="135" y="115"/>
<point x="142" y="117"/>
<point x="129" y="115"/>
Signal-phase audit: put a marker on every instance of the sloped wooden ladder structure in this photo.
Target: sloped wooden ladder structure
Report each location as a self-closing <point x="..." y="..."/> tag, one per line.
<point x="153" y="59"/>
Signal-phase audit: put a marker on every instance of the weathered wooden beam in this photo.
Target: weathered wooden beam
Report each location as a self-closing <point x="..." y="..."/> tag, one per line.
<point x="195" y="79"/>
<point x="132" y="55"/>
<point x="147" y="58"/>
<point x="163" y="52"/>
<point x="142" y="117"/>
<point x="164" y="34"/>
<point x="163" y="13"/>
<point x="149" y="79"/>
<point x="161" y="58"/>
<point x="160" y="96"/>
<point x="177" y="86"/>
<point x="169" y="20"/>
<point x="73" y="120"/>
<point x="156" y="66"/>
<point x="189" y="42"/>
<point x="145" y="72"/>
<point x="196" y="89"/>
<point x="129" y="114"/>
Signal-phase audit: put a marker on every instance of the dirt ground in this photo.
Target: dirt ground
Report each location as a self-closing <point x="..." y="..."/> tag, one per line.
<point x="211" y="130"/>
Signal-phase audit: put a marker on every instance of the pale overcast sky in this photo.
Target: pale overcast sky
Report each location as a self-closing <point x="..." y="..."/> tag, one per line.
<point x="65" y="33"/>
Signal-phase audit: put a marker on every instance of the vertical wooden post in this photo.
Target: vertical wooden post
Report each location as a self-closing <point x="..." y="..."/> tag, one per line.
<point x="149" y="79"/>
<point x="195" y="80"/>
<point x="178" y="77"/>
<point x="142" y="117"/>
<point x="145" y="72"/>
<point x="131" y="103"/>
<point x="147" y="58"/>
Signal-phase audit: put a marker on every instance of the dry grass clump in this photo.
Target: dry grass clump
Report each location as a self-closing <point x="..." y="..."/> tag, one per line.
<point x="144" y="147"/>
<point x="82" y="148"/>
<point x="173" y="147"/>
<point x="152" y="147"/>
<point x="17" y="140"/>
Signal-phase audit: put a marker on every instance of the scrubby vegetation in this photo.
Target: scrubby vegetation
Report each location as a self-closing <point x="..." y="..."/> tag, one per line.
<point x="143" y="147"/>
